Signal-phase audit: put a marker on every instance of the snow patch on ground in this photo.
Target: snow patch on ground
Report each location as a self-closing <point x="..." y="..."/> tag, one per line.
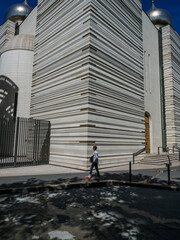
<point x="35" y="237"/>
<point x="3" y="199"/>
<point x="116" y="215"/>
<point x="111" y="198"/>
<point x="133" y="194"/>
<point x="53" y="195"/>
<point x="27" y="199"/>
<point x="106" y="218"/>
<point x="74" y="205"/>
<point x="108" y="196"/>
<point x="30" y="217"/>
<point x="116" y="188"/>
<point x="61" y="235"/>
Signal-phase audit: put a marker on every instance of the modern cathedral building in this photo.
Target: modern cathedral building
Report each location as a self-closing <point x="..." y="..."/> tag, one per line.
<point x="103" y="72"/>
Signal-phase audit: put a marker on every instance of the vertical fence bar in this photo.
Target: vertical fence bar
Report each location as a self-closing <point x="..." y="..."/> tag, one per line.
<point x="158" y="151"/>
<point x="7" y="160"/>
<point x="16" y="141"/>
<point x="169" y="160"/>
<point x="133" y="158"/>
<point x="11" y="133"/>
<point x="24" y="142"/>
<point x="34" y="143"/>
<point x="38" y="139"/>
<point x="31" y="148"/>
<point x="5" y="139"/>
<point x="19" y="150"/>
<point x="168" y="171"/>
<point x="179" y="155"/>
<point x="1" y="141"/>
<point x="48" y="147"/>
<point x="130" y="172"/>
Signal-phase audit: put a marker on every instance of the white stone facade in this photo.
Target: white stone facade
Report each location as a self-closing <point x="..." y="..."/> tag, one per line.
<point x="92" y="68"/>
<point x="152" y="82"/>
<point x="88" y="79"/>
<point x="171" y="64"/>
<point x="17" y="65"/>
<point x="7" y="31"/>
<point x="16" y="60"/>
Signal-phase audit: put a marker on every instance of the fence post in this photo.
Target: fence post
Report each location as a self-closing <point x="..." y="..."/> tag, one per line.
<point x="158" y="151"/>
<point x="169" y="159"/>
<point x="49" y="136"/>
<point x="168" y="170"/>
<point x="16" y="141"/>
<point x="129" y="171"/>
<point x="37" y="141"/>
<point x="179" y="155"/>
<point x="133" y="158"/>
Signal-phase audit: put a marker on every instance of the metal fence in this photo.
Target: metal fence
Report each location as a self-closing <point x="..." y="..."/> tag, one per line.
<point x="164" y="174"/>
<point x="24" y="142"/>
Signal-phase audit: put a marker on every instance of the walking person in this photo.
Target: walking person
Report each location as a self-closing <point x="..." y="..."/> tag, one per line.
<point x="94" y="164"/>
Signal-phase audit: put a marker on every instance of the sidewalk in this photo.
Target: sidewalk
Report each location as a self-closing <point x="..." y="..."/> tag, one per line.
<point x="50" y="174"/>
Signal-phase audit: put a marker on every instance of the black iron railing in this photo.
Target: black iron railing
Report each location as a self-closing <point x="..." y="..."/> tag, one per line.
<point x="177" y="148"/>
<point x="168" y="149"/>
<point x="138" y="153"/>
<point x="24" y="142"/>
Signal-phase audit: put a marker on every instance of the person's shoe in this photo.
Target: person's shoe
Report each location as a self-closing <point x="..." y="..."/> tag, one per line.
<point x="89" y="177"/>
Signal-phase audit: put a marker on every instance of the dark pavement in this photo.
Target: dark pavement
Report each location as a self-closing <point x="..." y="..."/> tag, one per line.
<point x="109" y="213"/>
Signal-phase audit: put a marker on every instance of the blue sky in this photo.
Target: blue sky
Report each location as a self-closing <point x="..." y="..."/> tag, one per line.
<point x="173" y="6"/>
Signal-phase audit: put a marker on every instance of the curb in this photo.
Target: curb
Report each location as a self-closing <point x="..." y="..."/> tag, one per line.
<point x="103" y="183"/>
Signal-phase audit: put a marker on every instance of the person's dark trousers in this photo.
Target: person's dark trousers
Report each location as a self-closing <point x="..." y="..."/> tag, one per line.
<point x="94" y="164"/>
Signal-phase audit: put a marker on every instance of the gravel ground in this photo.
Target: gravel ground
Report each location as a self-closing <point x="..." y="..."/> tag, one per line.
<point x="109" y="213"/>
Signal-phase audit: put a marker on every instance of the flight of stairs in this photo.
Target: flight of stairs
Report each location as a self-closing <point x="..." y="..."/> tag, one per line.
<point x="155" y="159"/>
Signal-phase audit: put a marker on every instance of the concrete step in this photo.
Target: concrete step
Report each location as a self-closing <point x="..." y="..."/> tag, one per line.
<point x="152" y="159"/>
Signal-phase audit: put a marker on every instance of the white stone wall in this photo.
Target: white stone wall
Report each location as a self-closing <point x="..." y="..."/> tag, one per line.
<point x="29" y="24"/>
<point x="152" y="82"/>
<point x="17" y="65"/>
<point x="116" y="99"/>
<point x="16" y="60"/>
<point x="7" y="31"/>
<point x="88" y="79"/>
<point x="171" y="63"/>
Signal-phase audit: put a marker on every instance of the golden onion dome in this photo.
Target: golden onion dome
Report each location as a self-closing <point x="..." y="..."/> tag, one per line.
<point x="159" y="17"/>
<point x="18" y="12"/>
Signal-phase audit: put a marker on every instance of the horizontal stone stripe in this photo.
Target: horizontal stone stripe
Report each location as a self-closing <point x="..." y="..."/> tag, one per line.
<point x="88" y="79"/>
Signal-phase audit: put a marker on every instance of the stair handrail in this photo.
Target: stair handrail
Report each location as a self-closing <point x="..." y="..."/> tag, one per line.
<point x="137" y="153"/>
<point x="167" y="151"/>
<point x="178" y="148"/>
